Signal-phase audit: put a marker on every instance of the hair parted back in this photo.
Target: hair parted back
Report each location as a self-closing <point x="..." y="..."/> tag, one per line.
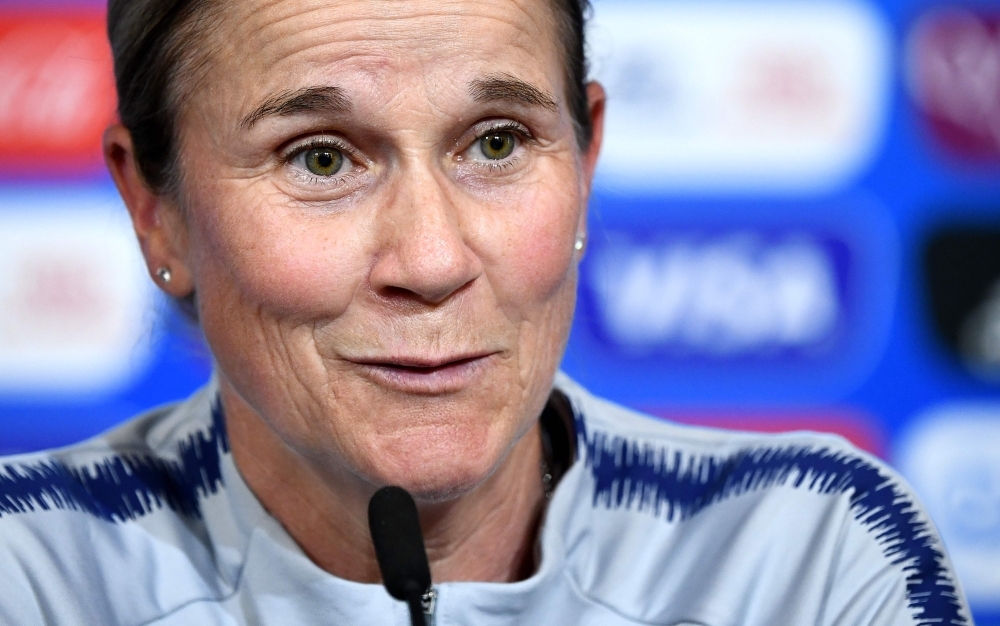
<point x="155" y="44"/>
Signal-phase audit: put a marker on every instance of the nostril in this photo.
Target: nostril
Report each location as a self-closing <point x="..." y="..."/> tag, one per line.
<point x="423" y="296"/>
<point x="399" y="293"/>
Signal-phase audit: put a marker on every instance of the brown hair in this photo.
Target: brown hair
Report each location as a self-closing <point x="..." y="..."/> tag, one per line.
<point x="154" y="48"/>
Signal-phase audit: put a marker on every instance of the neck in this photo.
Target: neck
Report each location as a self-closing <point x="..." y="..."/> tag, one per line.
<point x="485" y="535"/>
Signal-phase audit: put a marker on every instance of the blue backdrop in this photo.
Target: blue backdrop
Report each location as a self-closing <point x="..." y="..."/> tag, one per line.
<point x="795" y="225"/>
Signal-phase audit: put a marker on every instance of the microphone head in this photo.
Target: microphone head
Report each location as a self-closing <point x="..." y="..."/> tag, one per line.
<point x="399" y="544"/>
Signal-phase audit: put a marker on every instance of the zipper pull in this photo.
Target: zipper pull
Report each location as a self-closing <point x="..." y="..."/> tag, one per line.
<point x="428" y="602"/>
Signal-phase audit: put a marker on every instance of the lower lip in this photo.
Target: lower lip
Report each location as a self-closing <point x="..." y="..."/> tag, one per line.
<point x="447" y="378"/>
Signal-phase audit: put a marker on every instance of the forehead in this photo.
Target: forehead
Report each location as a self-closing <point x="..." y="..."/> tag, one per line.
<point x="383" y="46"/>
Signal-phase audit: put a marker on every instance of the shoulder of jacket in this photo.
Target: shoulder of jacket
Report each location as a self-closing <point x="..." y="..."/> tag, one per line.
<point x="667" y="481"/>
<point x="120" y="509"/>
<point x="160" y="458"/>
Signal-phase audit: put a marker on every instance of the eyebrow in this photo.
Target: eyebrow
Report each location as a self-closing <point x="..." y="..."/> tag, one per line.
<point x="507" y="88"/>
<point x="305" y="100"/>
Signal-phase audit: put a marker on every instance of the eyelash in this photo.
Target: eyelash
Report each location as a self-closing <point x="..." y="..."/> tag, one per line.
<point x="510" y="126"/>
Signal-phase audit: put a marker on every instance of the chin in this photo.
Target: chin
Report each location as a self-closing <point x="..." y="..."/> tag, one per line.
<point x="437" y="470"/>
<point x="436" y="489"/>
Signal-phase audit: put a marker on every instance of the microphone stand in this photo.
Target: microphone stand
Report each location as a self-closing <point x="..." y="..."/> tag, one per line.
<point x="414" y="600"/>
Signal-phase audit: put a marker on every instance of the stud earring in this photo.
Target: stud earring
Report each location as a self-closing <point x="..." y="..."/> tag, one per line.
<point x="164" y="274"/>
<point x="578" y="245"/>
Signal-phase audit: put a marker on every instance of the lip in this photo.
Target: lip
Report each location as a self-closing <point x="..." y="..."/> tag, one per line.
<point x="425" y="375"/>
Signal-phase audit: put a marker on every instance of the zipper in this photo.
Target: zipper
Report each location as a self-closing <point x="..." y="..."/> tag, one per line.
<point x="429" y="602"/>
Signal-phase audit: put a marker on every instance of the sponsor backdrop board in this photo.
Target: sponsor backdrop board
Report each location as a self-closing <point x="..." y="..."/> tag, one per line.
<point x="796" y="224"/>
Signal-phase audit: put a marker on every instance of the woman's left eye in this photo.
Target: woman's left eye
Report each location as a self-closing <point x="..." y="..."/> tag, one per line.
<point x="496" y="146"/>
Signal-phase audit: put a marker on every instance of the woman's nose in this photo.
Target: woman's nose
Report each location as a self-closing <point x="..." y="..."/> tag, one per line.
<point x="424" y="253"/>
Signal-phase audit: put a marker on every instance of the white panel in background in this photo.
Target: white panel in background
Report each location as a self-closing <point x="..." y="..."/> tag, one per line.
<point x="75" y="301"/>
<point x="951" y="455"/>
<point x="720" y="96"/>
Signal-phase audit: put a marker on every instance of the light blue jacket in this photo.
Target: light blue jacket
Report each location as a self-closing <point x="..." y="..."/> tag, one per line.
<point x="654" y="523"/>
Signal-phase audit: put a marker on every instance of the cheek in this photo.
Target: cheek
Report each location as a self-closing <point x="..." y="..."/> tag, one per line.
<point x="279" y="260"/>
<point x="535" y="262"/>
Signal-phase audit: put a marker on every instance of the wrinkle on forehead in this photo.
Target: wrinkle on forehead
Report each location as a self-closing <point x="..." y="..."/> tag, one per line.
<point x="387" y="19"/>
<point x="258" y="36"/>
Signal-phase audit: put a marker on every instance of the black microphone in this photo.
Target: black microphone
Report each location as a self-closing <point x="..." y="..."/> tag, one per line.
<point x="399" y="548"/>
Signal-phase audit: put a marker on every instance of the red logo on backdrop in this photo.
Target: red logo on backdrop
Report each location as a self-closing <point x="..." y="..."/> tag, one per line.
<point x="954" y="66"/>
<point x="860" y="429"/>
<point x="57" y="93"/>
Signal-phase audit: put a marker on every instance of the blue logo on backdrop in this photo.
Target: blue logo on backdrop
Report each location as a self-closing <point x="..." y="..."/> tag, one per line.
<point x="694" y="301"/>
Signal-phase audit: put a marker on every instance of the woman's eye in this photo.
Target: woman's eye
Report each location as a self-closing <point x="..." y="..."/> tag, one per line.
<point x="497" y="145"/>
<point x="323" y="161"/>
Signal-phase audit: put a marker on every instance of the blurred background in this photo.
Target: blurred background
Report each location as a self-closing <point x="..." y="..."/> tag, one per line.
<point x="796" y="225"/>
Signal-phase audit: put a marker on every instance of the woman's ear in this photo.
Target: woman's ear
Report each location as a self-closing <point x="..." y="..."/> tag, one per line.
<point x="156" y="219"/>
<point x="596" y="100"/>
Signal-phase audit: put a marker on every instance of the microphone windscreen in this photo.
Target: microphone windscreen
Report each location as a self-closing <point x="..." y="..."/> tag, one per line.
<point x="399" y="544"/>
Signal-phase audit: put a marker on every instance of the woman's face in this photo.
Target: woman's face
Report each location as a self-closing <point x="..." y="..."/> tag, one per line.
<point x="380" y="205"/>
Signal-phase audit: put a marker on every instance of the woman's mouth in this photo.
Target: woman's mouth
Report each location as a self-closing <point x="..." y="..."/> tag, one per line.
<point x="428" y="376"/>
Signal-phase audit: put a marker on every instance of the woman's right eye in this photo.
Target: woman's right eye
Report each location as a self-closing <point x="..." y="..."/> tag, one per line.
<point x="324" y="161"/>
<point x="321" y="161"/>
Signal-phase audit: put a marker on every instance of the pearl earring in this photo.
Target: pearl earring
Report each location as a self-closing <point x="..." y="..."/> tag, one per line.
<point x="164" y="274"/>
<point x="578" y="245"/>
